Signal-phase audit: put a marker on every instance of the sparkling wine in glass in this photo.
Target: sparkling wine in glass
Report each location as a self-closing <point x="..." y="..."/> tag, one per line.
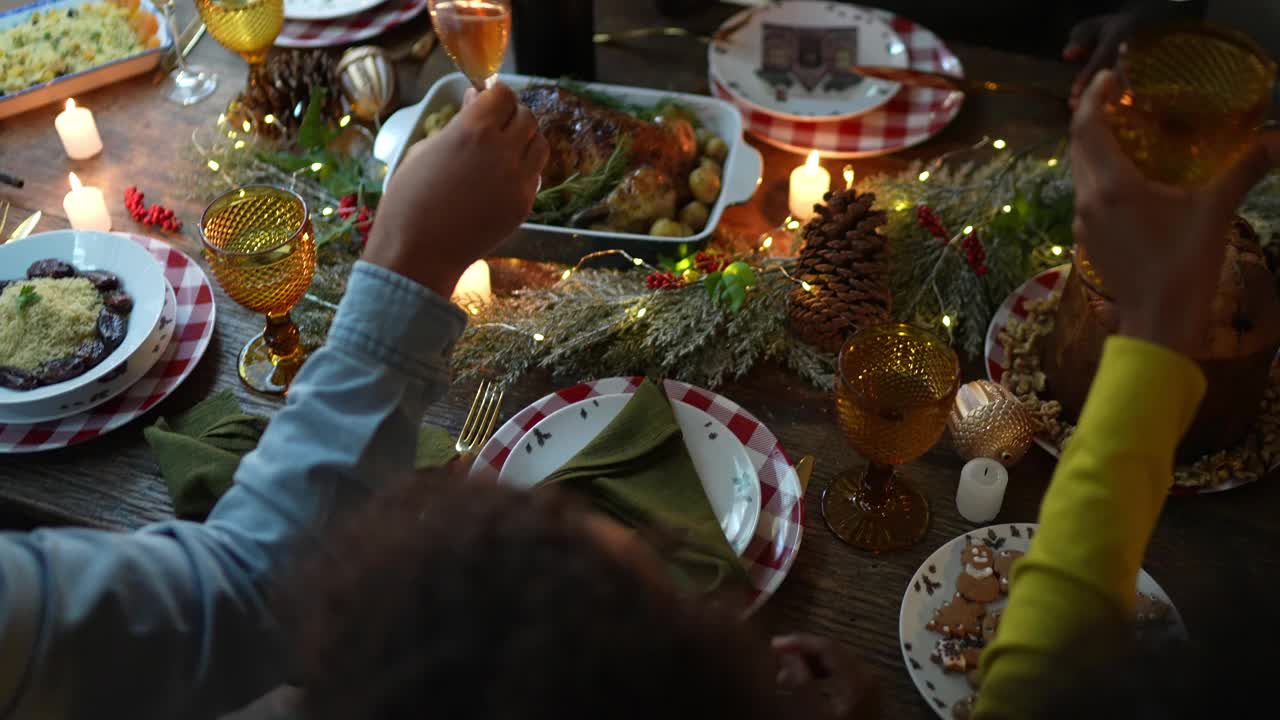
<point x="475" y="34"/>
<point x="186" y="84"/>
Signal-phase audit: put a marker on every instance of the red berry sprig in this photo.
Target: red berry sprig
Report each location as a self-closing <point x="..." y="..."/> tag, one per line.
<point x="974" y="254"/>
<point x="156" y="216"/>
<point x="709" y="263"/>
<point x="928" y="220"/>
<point x="364" y="218"/>
<point x="663" y="280"/>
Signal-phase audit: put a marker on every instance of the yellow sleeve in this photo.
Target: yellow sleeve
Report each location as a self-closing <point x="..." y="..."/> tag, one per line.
<point x="1096" y="519"/>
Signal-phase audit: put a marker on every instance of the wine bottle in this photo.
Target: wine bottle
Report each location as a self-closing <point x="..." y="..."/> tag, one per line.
<point x="553" y="38"/>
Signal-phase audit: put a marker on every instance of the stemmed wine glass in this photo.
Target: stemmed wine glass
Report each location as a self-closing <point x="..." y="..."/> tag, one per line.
<point x="475" y="34"/>
<point x="896" y="387"/>
<point x="186" y="84"/>
<point x="248" y="27"/>
<point x="260" y="246"/>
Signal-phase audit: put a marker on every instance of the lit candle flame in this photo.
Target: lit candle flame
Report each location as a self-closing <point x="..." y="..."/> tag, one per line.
<point x="75" y="182"/>
<point x="71" y="104"/>
<point x="849" y="175"/>
<point x="812" y="163"/>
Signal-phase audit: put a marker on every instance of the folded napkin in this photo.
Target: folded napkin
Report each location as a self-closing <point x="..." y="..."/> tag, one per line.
<point x="199" y="450"/>
<point x="638" y="471"/>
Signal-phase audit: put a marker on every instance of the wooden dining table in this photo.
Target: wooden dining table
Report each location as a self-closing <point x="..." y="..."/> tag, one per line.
<point x="113" y="482"/>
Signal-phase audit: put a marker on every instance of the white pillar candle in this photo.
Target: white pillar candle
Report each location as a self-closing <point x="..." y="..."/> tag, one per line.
<point x="981" y="491"/>
<point x="78" y="132"/>
<point x="473" y="287"/>
<point x="85" y="206"/>
<point x="809" y="183"/>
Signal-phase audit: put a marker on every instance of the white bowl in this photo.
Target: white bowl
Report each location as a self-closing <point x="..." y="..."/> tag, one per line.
<point x="742" y="168"/>
<point x="140" y="276"/>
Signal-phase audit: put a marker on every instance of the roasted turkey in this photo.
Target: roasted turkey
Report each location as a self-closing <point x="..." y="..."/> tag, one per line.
<point x="583" y="135"/>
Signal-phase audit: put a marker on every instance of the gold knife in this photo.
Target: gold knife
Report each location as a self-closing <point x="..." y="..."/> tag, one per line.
<point x="25" y="227"/>
<point x="945" y="81"/>
<point x="804" y="469"/>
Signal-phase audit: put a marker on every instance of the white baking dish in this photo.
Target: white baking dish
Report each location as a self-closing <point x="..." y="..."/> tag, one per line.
<point x="86" y="80"/>
<point x="742" y="168"/>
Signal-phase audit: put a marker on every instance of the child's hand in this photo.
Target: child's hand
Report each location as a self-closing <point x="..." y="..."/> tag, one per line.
<point x="1158" y="249"/>
<point x="838" y="684"/>
<point x="455" y="197"/>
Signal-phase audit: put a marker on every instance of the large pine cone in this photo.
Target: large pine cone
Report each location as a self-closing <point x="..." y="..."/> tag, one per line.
<point x="283" y="89"/>
<point x="845" y="261"/>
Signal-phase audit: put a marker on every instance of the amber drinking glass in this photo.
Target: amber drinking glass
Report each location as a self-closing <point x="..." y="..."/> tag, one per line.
<point x="1189" y="100"/>
<point x="475" y="34"/>
<point x="896" y="386"/>
<point x="260" y="246"/>
<point x="248" y="27"/>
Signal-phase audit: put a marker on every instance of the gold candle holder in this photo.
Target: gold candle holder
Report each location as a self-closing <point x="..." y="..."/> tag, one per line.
<point x="260" y="246"/>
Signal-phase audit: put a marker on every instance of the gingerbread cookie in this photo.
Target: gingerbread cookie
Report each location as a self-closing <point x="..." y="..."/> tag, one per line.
<point x="957" y="656"/>
<point x="990" y="623"/>
<point x="958" y="618"/>
<point x="1004" y="566"/>
<point x="978" y="581"/>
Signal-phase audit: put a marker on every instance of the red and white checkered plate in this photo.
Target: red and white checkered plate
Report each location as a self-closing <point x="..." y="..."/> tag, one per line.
<point x="193" y="327"/>
<point x="769" y="556"/>
<point x="911" y="117"/>
<point x="349" y="29"/>
<point x="997" y="361"/>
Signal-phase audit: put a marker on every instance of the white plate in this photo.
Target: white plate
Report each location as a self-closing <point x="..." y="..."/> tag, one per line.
<point x="727" y="473"/>
<point x="935" y="583"/>
<point x="140" y="276"/>
<point x="326" y="9"/>
<point x="85" y="80"/>
<point x="739" y="62"/>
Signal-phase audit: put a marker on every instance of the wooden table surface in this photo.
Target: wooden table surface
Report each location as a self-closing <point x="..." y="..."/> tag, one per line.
<point x="113" y="482"/>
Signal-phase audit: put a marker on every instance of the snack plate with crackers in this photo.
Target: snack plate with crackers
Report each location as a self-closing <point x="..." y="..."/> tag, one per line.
<point x="952" y="607"/>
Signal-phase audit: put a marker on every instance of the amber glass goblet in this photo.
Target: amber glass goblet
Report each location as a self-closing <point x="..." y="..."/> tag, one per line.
<point x="247" y="27"/>
<point x="1189" y="99"/>
<point x="895" y="387"/>
<point x="260" y="246"/>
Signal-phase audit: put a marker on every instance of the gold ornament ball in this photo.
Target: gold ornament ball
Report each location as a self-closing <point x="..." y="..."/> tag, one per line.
<point x="987" y="420"/>
<point x="368" y="81"/>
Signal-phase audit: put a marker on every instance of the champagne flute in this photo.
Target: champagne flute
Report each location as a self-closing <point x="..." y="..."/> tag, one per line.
<point x="895" y="388"/>
<point x="475" y="34"/>
<point x="186" y="84"/>
<point x="248" y="27"/>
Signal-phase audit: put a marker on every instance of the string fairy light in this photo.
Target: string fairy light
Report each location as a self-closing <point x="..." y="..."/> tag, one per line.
<point x="1056" y="249"/>
<point x="1006" y="209"/>
<point x="924" y="175"/>
<point x="999" y="144"/>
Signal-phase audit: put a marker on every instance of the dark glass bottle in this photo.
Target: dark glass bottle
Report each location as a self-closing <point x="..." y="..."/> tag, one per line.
<point x="553" y="38"/>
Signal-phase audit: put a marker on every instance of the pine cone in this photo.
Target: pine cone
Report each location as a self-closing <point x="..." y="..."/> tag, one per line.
<point x="284" y="86"/>
<point x="845" y="261"/>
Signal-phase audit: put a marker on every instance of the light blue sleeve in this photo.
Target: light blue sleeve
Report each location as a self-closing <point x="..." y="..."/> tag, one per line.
<point x="175" y="620"/>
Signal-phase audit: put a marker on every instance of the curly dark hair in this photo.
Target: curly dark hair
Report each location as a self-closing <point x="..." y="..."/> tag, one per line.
<point x="452" y="600"/>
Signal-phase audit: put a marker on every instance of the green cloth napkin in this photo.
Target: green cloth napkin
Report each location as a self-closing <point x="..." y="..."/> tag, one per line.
<point x="199" y="450"/>
<point x="638" y="471"/>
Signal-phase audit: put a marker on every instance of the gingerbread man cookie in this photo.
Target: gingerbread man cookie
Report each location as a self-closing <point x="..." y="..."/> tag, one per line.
<point x="1004" y="566"/>
<point x="978" y="581"/>
<point x="956" y="655"/>
<point x="990" y="623"/>
<point x="958" y="618"/>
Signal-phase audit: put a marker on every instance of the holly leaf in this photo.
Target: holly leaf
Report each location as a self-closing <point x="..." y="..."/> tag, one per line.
<point x="742" y="273"/>
<point x="314" y="133"/>
<point x="712" y="281"/>
<point x="27" y="296"/>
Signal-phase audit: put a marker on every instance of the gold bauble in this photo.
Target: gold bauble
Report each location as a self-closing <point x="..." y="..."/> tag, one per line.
<point x="987" y="420"/>
<point x="368" y="81"/>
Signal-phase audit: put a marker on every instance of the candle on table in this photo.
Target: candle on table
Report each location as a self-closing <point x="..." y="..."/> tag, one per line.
<point x="473" y="287"/>
<point x="78" y="132"/>
<point x="981" y="491"/>
<point x="809" y="183"/>
<point x="85" y="206"/>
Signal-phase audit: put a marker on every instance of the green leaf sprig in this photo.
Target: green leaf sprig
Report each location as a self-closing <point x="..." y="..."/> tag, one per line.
<point x="729" y="286"/>
<point x="27" y="297"/>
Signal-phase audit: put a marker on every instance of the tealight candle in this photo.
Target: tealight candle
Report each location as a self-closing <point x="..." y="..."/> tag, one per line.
<point x="85" y="206"/>
<point x="78" y="132"/>
<point x="981" y="491"/>
<point x="473" y="286"/>
<point x="809" y="183"/>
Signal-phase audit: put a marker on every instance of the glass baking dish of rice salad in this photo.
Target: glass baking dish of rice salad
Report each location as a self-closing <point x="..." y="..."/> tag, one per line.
<point x="54" y="49"/>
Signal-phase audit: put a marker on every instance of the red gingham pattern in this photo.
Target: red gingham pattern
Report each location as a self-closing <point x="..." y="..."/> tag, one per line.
<point x="350" y="29"/>
<point x="771" y="552"/>
<point x="911" y="117"/>
<point x="193" y="327"/>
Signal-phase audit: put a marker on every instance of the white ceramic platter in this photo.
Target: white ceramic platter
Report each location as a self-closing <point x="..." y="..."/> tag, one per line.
<point x="788" y="59"/>
<point x="326" y="9"/>
<point x="86" y="80"/>
<point x="935" y="583"/>
<point x="727" y="473"/>
<point x="140" y="276"/>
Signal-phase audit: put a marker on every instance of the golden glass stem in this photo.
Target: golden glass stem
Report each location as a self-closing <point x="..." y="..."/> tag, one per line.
<point x="282" y="335"/>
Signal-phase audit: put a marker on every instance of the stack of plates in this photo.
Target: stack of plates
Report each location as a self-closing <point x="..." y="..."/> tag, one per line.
<point x="328" y="23"/>
<point x="778" y="70"/>
<point x="169" y="329"/>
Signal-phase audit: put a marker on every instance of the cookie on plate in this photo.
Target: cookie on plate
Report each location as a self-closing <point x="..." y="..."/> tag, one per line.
<point x="957" y="655"/>
<point x="1004" y="566"/>
<point x="990" y="623"/>
<point x="978" y="581"/>
<point x="958" y="618"/>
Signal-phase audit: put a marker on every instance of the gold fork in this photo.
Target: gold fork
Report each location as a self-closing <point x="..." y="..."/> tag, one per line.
<point x="481" y="419"/>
